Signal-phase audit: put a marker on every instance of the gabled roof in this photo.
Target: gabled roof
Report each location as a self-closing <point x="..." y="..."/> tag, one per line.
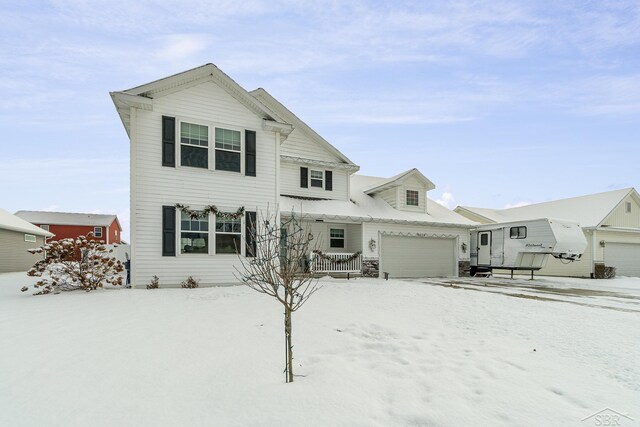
<point x="382" y="184"/>
<point x="363" y="207"/>
<point x="11" y="222"/>
<point x="68" y="218"/>
<point x="142" y="96"/>
<point x="275" y="105"/>
<point x="588" y="211"/>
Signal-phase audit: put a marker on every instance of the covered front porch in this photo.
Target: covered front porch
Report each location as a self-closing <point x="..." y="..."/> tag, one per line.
<point x="336" y="247"/>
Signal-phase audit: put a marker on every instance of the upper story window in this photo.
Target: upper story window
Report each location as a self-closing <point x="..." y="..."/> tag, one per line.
<point x="97" y="231"/>
<point x="45" y="227"/>
<point x="627" y="207"/>
<point x="194" y="145"/>
<point x="228" y="150"/>
<point x="413" y="198"/>
<point x="194" y="235"/>
<point x="518" y="232"/>
<point x="317" y="178"/>
<point x="228" y="235"/>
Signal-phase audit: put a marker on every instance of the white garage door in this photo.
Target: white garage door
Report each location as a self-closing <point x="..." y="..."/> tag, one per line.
<point x="625" y="257"/>
<point x="404" y="256"/>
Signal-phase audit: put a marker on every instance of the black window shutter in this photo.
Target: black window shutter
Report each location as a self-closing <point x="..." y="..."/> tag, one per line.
<point x="249" y="233"/>
<point x="304" y="177"/>
<point x="168" y="141"/>
<point x="168" y="231"/>
<point x="328" y="178"/>
<point x="250" y="153"/>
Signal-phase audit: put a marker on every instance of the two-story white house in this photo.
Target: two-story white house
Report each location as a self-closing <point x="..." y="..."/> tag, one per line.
<point x="207" y="156"/>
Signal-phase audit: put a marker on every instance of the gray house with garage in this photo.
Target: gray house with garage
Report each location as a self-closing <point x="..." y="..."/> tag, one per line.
<point x="17" y="236"/>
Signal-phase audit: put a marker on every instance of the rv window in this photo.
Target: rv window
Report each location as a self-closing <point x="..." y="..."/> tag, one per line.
<point x="518" y="232"/>
<point x="484" y="239"/>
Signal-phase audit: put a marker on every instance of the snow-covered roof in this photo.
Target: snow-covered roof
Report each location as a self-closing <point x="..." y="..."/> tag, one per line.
<point x="363" y="207"/>
<point x="384" y="183"/>
<point x="267" y="99"/>
<point x="67" y="218"/>
<point x="588" y="211"/>
<point x="8" y="221"/>
<point x="142" y="96"/>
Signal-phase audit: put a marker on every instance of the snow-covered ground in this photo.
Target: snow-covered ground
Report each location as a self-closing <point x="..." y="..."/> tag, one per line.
<point x="368" y="352"/>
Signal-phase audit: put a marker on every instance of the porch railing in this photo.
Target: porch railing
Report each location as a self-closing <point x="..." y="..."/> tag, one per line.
<point x="336" y="263"/>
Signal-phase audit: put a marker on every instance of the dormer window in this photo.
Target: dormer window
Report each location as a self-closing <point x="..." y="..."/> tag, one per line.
<point x="413" y="198"/>
<point x="317" y="178"/>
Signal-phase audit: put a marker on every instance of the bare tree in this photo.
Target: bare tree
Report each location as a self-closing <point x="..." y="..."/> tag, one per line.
<point x="277" y="264"/>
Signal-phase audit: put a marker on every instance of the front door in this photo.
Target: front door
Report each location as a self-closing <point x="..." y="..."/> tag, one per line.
<point x="484" y="248"/>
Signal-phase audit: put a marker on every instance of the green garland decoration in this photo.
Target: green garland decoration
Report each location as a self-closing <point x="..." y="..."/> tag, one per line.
<point x="193" y="214"/>
<point x="337" y="260"/>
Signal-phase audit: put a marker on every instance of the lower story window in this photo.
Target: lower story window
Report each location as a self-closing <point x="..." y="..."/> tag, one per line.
<point x="336" y="238"/>
<point x="228" y="235"/>
<point x="194" y="235"/>
<point x="29" y="238"/>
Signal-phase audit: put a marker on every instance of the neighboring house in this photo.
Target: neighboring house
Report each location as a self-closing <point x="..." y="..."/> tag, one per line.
<point x="71" y="225"/>
<point x="17" y="236"/>
<point x="610" y="220"/>
<point x="199" y="139"/>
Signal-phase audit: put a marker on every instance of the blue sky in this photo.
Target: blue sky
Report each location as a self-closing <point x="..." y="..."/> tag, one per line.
<point x="499" y="103"/>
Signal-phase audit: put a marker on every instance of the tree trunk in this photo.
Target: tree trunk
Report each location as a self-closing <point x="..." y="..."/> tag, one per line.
<point x="287" y="332"/>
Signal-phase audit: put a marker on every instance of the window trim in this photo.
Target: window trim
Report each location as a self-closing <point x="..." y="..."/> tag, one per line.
<point x="181" y="144"/>
<point x="240" y="152"/>
<point x="211" y="148"/>
<point x="240" y="234"/>
<point x="31" y="238"/>
<point x="406" y="198"/>
<point x="343" y="238"/>
<point x="322" y="180"/>
<point x="517" y="234"/>
<point x="97" y="229"/>
<point x="179" y="236"/>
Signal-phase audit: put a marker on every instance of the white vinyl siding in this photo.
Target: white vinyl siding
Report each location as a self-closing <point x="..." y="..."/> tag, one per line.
<point x="390" y="196"/>
<point x="621" y="218"/>
<point x="290" y="183"/>
<point x="298" y="144"/>
<point x="154" y="186"/>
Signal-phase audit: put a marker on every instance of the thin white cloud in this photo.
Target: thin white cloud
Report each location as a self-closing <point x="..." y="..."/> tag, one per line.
<point x="518" y="204"/>
<point x="446" y="199"/>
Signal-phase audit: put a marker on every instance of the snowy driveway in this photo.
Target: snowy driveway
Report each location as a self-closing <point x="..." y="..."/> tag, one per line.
<point x="622" y="294"/>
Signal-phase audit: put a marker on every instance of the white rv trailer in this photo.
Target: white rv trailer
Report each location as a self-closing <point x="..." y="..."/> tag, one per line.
<point x="525" y="245"/>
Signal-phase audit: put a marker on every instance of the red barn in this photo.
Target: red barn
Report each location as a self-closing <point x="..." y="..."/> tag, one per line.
<point x="66" y="224"/>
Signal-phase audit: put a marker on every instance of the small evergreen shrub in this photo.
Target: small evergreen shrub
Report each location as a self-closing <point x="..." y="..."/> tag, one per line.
<point x="155" y="283"/>
<point x="190" y="283"/>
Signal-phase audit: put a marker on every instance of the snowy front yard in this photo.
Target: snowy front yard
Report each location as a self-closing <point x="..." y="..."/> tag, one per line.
<point x="370" y="352"/>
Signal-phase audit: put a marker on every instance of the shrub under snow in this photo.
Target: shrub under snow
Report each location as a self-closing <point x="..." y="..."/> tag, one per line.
<point x="71" y="264"/>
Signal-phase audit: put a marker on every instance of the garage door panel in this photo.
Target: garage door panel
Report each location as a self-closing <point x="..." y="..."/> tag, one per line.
<point x="405" y="256"/>
<point x="625" y="257"/>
